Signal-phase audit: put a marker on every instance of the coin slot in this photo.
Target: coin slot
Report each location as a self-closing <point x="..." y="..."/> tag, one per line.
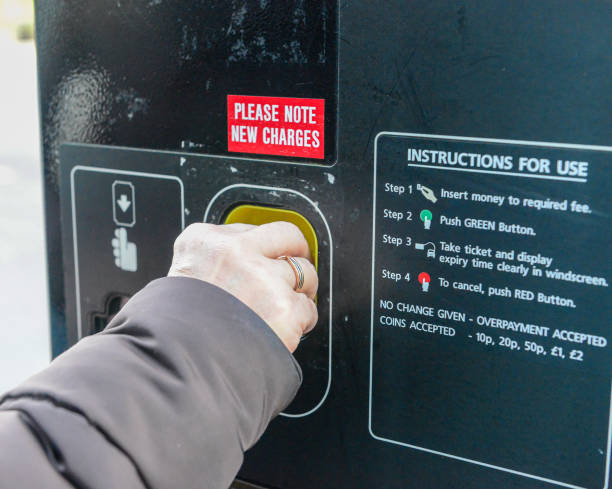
<point x="258" y="215"/>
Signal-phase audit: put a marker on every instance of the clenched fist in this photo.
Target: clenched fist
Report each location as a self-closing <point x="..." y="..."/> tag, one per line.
<point x="243" y="260"/>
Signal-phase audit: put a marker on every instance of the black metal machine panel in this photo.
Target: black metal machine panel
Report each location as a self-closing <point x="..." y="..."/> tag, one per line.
<point x="464" y="302"/>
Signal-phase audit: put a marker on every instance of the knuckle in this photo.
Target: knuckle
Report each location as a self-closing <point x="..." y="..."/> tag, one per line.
<point x="181" y="243"/>
<point x="190" y="234"/>
<point x="315" y="315"/>
<point x="312" y="314"/>
<point x="285" y="307"/>
<point x="303" y="301"/>
<point x="203" y="241"/>
<point x="223" y="253"/>
<point x="308" y="308"/>
<point x="291" y="229"/>
<point x="178" y="244"/>
<point x="312" y="275"/>
<point x="196" y="228"/>
<point x="297" y="330"/>
<point x="260" y="270"/>
<point x="313" y="308"/>
<point x="220" y="244"/>
<point x="293" y="342"/>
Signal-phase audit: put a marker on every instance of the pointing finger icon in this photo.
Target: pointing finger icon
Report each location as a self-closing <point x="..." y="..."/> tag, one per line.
<point x="120" y="237"/>
<point x="124" y="252"/>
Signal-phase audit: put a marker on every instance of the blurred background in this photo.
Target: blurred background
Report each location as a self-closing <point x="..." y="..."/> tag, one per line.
<point x="24" y="332"/>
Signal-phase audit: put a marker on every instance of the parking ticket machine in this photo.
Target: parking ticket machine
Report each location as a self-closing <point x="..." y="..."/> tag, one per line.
<point x="450" y="164"/>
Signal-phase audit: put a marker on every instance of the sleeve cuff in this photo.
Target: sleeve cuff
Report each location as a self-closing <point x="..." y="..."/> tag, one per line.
<point x="184" y="379"/>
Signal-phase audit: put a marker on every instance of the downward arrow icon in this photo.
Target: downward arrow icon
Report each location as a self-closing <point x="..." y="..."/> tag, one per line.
<point x="124" y="203"/>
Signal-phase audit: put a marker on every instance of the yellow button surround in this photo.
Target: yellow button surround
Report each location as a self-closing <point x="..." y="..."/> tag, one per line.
<point x="259" y="214"/>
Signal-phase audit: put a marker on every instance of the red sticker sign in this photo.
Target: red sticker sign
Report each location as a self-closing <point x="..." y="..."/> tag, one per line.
<point x="276" y="125"/>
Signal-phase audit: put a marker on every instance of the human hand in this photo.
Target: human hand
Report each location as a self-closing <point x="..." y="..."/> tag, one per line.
<point x="243" y="260"/>
<point x="427" y="193"/>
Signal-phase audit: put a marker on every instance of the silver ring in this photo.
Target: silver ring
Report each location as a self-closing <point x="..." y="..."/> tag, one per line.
<point x="297" y="270"/>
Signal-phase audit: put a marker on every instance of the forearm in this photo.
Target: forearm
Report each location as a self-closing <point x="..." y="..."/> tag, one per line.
<point x="181" y="383"/>
<point x="23" y="461"/>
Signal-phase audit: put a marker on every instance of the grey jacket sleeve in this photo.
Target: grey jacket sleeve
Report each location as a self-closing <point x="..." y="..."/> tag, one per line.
<point x="169" y="395"/>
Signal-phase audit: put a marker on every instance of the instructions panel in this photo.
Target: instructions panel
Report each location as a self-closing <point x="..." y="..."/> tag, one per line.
<point x="491" y="304"/>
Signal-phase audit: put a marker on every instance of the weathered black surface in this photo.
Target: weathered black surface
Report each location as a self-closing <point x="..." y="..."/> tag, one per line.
<point x="155" y="75"/>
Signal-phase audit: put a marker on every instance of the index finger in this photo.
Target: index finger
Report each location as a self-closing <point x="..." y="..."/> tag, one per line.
<point x="280" y="238"/>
